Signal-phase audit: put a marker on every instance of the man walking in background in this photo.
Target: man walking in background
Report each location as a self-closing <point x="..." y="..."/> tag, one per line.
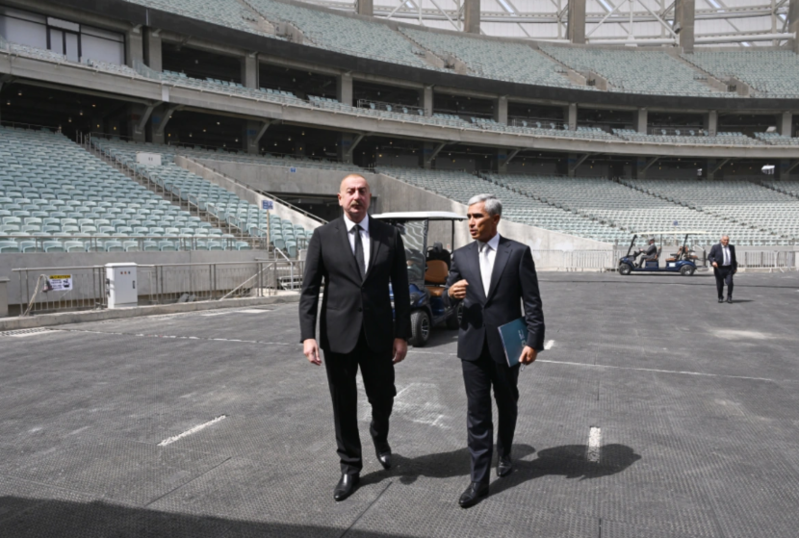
<point x="725" y="265"/>
<point x="356" y="257"/>
<point x="493" y="276"/>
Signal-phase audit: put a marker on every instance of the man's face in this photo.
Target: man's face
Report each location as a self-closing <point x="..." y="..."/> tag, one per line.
<point x="354" y="197"/>
<point x="725" y="240"/>
<point x="482" y="226"/>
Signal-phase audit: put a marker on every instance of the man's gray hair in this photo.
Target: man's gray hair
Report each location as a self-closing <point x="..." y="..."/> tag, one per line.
<point x="492" y="204"/>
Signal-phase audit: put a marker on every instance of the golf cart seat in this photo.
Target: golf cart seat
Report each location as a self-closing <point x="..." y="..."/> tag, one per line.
<point x="435" y="277"/>
<point x="438" y="252"/>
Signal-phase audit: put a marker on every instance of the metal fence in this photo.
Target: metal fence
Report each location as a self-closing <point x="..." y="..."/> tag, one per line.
<point x="49" y="289"/>
<point x="773" y="260"/>
<point x="575" y="260"/>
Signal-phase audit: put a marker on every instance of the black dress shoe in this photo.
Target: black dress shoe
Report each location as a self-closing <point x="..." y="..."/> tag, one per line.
<point x="384" y="457"/>
<point x="504" y="467"/>
<point x="346" y="486"/>
<point x="729" y="300"/>
<point x="475" y="493"/>
<point x="721" y="300"/>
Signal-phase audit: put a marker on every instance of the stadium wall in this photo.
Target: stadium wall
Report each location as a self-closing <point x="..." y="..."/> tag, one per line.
<point x="208" y="173"/>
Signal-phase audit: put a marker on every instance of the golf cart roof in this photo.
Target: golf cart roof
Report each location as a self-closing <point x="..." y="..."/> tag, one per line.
<point x="673" y="232"/>
<point x="420" y="215"/>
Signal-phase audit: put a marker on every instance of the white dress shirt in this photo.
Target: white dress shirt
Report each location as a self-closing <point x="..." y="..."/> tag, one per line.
<point x="727" y="258"/>
<point x="364" y="237"/>
<point x="487" y="256"/>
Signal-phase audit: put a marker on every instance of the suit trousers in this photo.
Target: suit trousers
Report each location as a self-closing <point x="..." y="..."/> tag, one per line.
<point x="377" y="371"/>
<point x="478" y="377"/>
<point x="724" y="276"/>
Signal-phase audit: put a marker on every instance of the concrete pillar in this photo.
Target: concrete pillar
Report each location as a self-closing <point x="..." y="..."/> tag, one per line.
<point x="249" y="70"/>
<point x="576" y="14"/>
<point x="3" y="297"/>
<point x="471" y="16"/>
<point x="366" y="7"/>
<point x="135" y="114"/>
<point x="710" y="165"/>
<point x="793" y="24"/>
<point x="344" y="89"/>
<point x="134" y="47"/>
<point x="785" y="123"/>
<point x="502" y="160"/>
<point x="571" y="116"/>
<point x="711" y="122"/>
<point x="427" y="100"/>
<point x="158" y="116"/>
<point x="152" y="49"/>
<point x="640" y="169"/>
<point x="251" y="141"/>
<point x="344" y="144"/>
<point x="572" y="164"/>
<point x="684" y="15"/>
<point x="501" y="109"/>
<point x="427" y="150"/>
<point x="641" y="122"/>
<point x="781" y="170"/>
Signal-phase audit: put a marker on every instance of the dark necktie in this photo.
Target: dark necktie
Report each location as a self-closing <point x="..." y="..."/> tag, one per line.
<point x="359" y="251"/>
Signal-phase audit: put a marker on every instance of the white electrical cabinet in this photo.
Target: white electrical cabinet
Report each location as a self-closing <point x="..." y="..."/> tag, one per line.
<point x="121" y="285"/>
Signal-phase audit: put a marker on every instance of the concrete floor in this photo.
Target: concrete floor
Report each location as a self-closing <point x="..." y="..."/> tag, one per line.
<point x="696" y="403"/>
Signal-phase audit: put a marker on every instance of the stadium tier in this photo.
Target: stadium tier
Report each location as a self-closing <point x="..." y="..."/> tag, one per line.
<point x="516" y="206"/>
<point x="651" y="72"/>
<point x="632" y="209"/>
<point x="230" y="13"/>
<point x="344" y="34"/>
<point x="190" y="188"/>
<point x="496" y="60"/>
<point x="234" y="88"/>
<point x="770" y="73"/>
<point x="57" y="197"/>
<point x="688" y="136"/>
<point x="742" y="203"/>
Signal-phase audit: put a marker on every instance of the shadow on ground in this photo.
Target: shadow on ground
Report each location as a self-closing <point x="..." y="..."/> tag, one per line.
<point x="568" y="461"/>
<point x="37" y="518"/>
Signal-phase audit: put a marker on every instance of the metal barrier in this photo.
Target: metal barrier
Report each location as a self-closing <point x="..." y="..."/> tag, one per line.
<point x="773" y="260"/>
<point x="49" y="289"/>
<point x="575" y="260"/>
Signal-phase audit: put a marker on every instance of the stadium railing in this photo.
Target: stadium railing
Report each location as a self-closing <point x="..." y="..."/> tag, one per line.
<point x="156" y="284"/>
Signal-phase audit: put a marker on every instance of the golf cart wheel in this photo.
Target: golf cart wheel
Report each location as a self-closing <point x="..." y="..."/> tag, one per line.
<point x="686" y="270"/>
<point x="454" y="319"/>
<point x="420" y="328"/>
<point x="625" y="269"/>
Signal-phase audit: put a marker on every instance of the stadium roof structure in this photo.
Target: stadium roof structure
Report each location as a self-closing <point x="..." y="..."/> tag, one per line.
<point x="739" y="23"/>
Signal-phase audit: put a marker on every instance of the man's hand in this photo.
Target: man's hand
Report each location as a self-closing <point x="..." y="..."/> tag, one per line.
<point x="458" y="289"/>
<point x="715" y="264"/>
<point x="400" y="350"/>
<point x="528" y="355"/>
<point x="311" y="350"/>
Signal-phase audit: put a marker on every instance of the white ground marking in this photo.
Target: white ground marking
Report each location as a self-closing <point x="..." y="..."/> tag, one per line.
<point x="170" y="440"/>
<point x="735" y="334"/>
<point x="549" y="344"/>
<point x="417" y="402"/>
<point x="655" y="370"/>
<point x="242" y="311"/>
<point x="594" y="441"/>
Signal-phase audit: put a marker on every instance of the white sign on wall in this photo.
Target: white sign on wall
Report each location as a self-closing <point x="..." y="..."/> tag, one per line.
<point x="58" y="283"/>
<point x="153" y="159"/>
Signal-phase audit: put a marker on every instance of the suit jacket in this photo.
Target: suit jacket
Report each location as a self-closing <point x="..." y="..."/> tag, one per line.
<point x="717" y="255"/>
<point x="349" y="302"/>
<point x="651" y="250"/>
<point x="513" y="282"/>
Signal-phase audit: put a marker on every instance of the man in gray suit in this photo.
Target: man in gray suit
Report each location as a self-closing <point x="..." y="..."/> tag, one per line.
<point x="493" y="276"/>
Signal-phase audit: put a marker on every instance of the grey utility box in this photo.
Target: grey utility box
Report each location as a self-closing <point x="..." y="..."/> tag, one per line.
<point x="121" y="285"/>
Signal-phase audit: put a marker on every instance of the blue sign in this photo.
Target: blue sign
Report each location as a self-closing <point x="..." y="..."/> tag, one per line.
<point x="293" y="170"/>
<point x="267" y="205"/>
<point x="676" y="223"/>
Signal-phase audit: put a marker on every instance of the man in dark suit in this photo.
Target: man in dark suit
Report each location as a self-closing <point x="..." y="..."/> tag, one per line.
<point x="725" y="264"/>
<point x="356" y="257"/>
<point x="651" y="253"/>
<point x="493" y="276"/>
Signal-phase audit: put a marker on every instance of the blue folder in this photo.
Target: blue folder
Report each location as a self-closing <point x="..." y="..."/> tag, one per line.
<point x="514" y="338"/>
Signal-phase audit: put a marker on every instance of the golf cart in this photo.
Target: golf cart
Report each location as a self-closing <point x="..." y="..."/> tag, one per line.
<point x="684" y="261"/>
<point x="425" y="235"/>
